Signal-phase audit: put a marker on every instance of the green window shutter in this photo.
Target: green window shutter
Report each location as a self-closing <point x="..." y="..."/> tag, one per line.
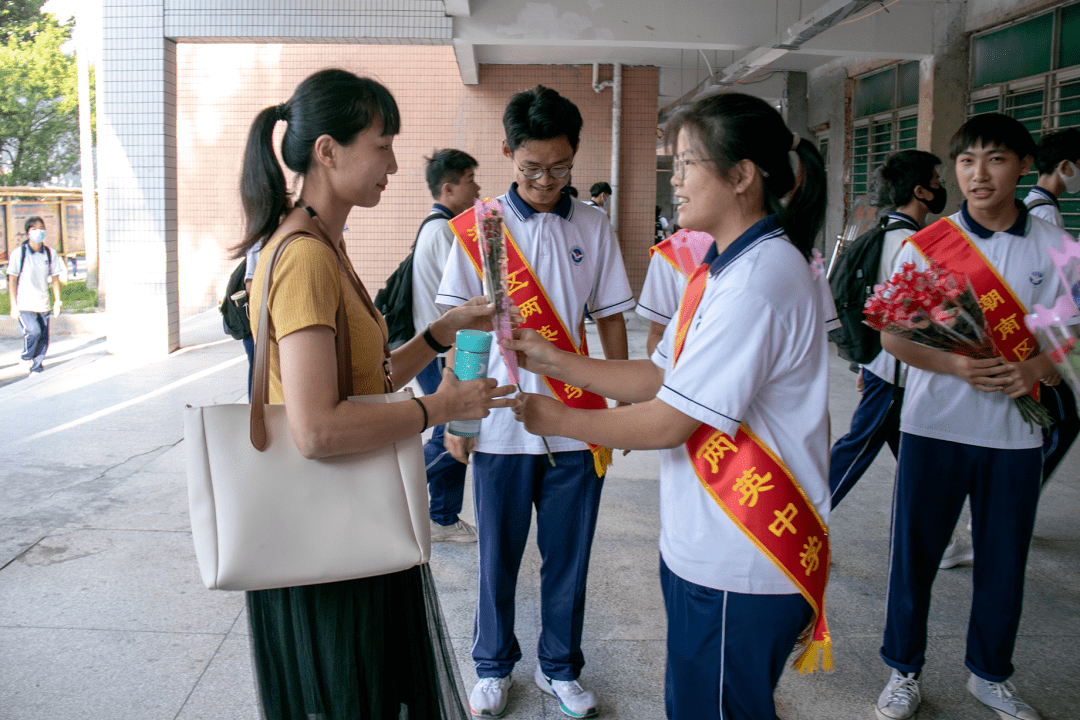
<point x="875" y="93"/>
<point x="1027" y="107"/>
<point x="909" y="84"/>
<point x="1014" y="52"/>
<point x="860" y="157"/>
<point x="1069" y="104"/>
<point x="1069" y="39"/>
<point x="909" y="133"/>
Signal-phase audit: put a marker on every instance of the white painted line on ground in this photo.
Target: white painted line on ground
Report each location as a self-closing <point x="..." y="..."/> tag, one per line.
<point x="136" y="400"/>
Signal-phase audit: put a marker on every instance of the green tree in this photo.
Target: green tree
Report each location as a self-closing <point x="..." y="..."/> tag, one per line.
<point x="39" y="106"/>
<point x="16" y="17"/>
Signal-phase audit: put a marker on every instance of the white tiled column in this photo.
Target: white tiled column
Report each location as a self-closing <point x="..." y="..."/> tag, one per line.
<point x="137" y="151"/>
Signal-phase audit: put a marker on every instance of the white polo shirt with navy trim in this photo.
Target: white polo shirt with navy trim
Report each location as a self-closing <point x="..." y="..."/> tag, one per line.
<point x="1049" y="210"/>
<point x="884" y="364"/>
<point x="755" y="354"/>
<point x="944" y="407"/>
<point x="577" y="260"/>
<point x="661" y="292"/>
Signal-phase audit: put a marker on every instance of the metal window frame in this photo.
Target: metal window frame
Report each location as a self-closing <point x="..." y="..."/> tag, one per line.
<point x="1049" y="84"/>
<point x="875" y="119"/>
<point x="871" y="122"/>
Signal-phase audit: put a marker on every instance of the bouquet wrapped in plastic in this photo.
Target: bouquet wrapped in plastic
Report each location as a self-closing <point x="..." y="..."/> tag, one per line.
<point x="1058" y="327"/>
<point x="938" y="308"/>
<point x="489" y="227"/>
<point x="492" y="240"/>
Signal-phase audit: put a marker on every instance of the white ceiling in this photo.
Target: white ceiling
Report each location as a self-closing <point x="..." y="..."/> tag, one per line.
<point x="684" y="38"/>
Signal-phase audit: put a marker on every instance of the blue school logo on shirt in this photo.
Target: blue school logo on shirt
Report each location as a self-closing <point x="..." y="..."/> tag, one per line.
<point x="577" y="255"/>
<point x="1036" y="278"/>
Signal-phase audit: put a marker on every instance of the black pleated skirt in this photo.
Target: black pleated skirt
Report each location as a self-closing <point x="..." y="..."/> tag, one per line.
<point x="367" y="649"/>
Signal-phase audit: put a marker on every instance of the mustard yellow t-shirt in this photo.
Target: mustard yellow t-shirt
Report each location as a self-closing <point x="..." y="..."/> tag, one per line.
<point x="304" y="293"/>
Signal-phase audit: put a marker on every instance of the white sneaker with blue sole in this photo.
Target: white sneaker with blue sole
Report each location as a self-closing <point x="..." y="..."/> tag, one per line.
<point x="574" y="700"/>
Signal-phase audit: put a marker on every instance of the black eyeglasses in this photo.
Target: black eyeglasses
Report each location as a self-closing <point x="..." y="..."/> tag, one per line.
<point x="532" y="172"/>
<point x="679" y="164"/>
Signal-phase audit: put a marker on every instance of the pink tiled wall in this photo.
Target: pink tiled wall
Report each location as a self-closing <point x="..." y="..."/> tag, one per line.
<point x="220" y="88"/>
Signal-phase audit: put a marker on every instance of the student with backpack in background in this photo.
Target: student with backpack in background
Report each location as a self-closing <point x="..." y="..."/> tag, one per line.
<point x="451" y="177"/>
<point x="907" y="189"/>
<point x="33" y="268"/>
<point x="1056" y="159"/>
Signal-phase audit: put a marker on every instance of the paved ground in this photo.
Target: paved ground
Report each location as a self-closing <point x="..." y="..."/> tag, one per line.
<point x="103" y="616"/>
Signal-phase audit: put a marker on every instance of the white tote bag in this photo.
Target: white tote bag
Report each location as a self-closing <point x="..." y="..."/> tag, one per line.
<point x="277" y="519"/>
<point x="271" y="518"/>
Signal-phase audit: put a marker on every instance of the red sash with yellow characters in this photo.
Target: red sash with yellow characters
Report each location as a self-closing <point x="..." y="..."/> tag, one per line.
<point x="538" y="314"/>
<point x="756" y="490"/>
<point x="947" y="244"/>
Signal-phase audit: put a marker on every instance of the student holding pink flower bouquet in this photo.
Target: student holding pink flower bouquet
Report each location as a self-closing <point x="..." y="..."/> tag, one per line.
<point x="735" y="397"/>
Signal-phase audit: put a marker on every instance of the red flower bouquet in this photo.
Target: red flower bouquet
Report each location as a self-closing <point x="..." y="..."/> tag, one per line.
<point x="938" y="308"/>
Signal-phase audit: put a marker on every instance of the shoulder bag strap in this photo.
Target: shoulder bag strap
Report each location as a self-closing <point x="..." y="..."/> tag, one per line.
<point x="261" y="373"/>
<point x="350" y="272"/>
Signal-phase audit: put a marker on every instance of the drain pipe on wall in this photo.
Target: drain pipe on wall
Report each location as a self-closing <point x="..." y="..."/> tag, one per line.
<point x="616" y="124"/>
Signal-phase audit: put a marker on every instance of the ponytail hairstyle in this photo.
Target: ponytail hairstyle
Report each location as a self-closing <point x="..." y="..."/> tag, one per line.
<point x="732" y="127"/>
<point x="331" y="102"/>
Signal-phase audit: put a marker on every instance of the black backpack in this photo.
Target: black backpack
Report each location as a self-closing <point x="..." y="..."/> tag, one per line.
<point x="852" y="283"/>
<point x="234" y="316"/>
<point x="394" y="301"/>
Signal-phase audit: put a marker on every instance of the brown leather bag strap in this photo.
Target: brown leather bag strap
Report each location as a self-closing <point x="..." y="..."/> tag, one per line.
<point x="365" y="298"/>
<point x="260" y="385"/>
<point x="350" y="272"/>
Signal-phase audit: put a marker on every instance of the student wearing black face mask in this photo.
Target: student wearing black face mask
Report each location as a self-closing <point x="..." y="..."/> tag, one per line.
<point x="906" y="189"/>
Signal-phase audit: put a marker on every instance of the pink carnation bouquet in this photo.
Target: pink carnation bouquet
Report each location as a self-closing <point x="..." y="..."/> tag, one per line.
<point x="938" y="308"/>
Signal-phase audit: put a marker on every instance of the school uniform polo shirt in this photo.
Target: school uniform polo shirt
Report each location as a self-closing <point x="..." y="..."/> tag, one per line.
<point x="756" y="354"/>
<point x="661" y="292"/>
<point x="433" y="246"/>
<point x="575" y="257"/>
<point x="36" y="271"/>
<point x="884" y="365"/>
<point x="1050" y="213"/>
<point x="664" y="287"/>
<point x="942" y="406"/>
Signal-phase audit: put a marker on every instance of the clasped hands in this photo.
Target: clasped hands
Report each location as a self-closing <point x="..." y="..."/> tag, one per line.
<point x="1014" y="379"/>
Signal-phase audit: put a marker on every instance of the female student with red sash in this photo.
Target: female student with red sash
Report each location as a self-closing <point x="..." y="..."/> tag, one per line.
<point x="735" y="397"/>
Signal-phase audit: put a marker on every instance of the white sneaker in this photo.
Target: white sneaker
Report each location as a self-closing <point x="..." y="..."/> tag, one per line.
<point x="574" y="700"/>
<point x="460" y="531"/>
<point x="489" y="695"/>
<point x="23" y="368"/>
<point x="1001" y="698"/>
<point x="900" y="698"/>
<point x="960" y="550"/>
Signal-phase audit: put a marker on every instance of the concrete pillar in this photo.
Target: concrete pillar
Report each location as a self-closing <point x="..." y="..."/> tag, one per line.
<point x="830" y="111"/>
<point x="137" y="151"/>
<point x="943" y="92"/>
<point x="795" y="92"/>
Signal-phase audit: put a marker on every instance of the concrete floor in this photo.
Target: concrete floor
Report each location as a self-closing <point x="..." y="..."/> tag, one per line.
<point x="103" y="615"/>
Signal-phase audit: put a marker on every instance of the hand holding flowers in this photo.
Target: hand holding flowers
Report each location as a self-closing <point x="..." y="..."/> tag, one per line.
<point x="938" y="308"/>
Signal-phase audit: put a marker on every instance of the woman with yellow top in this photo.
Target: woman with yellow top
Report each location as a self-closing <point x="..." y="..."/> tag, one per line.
<point x="372" y="648"/>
